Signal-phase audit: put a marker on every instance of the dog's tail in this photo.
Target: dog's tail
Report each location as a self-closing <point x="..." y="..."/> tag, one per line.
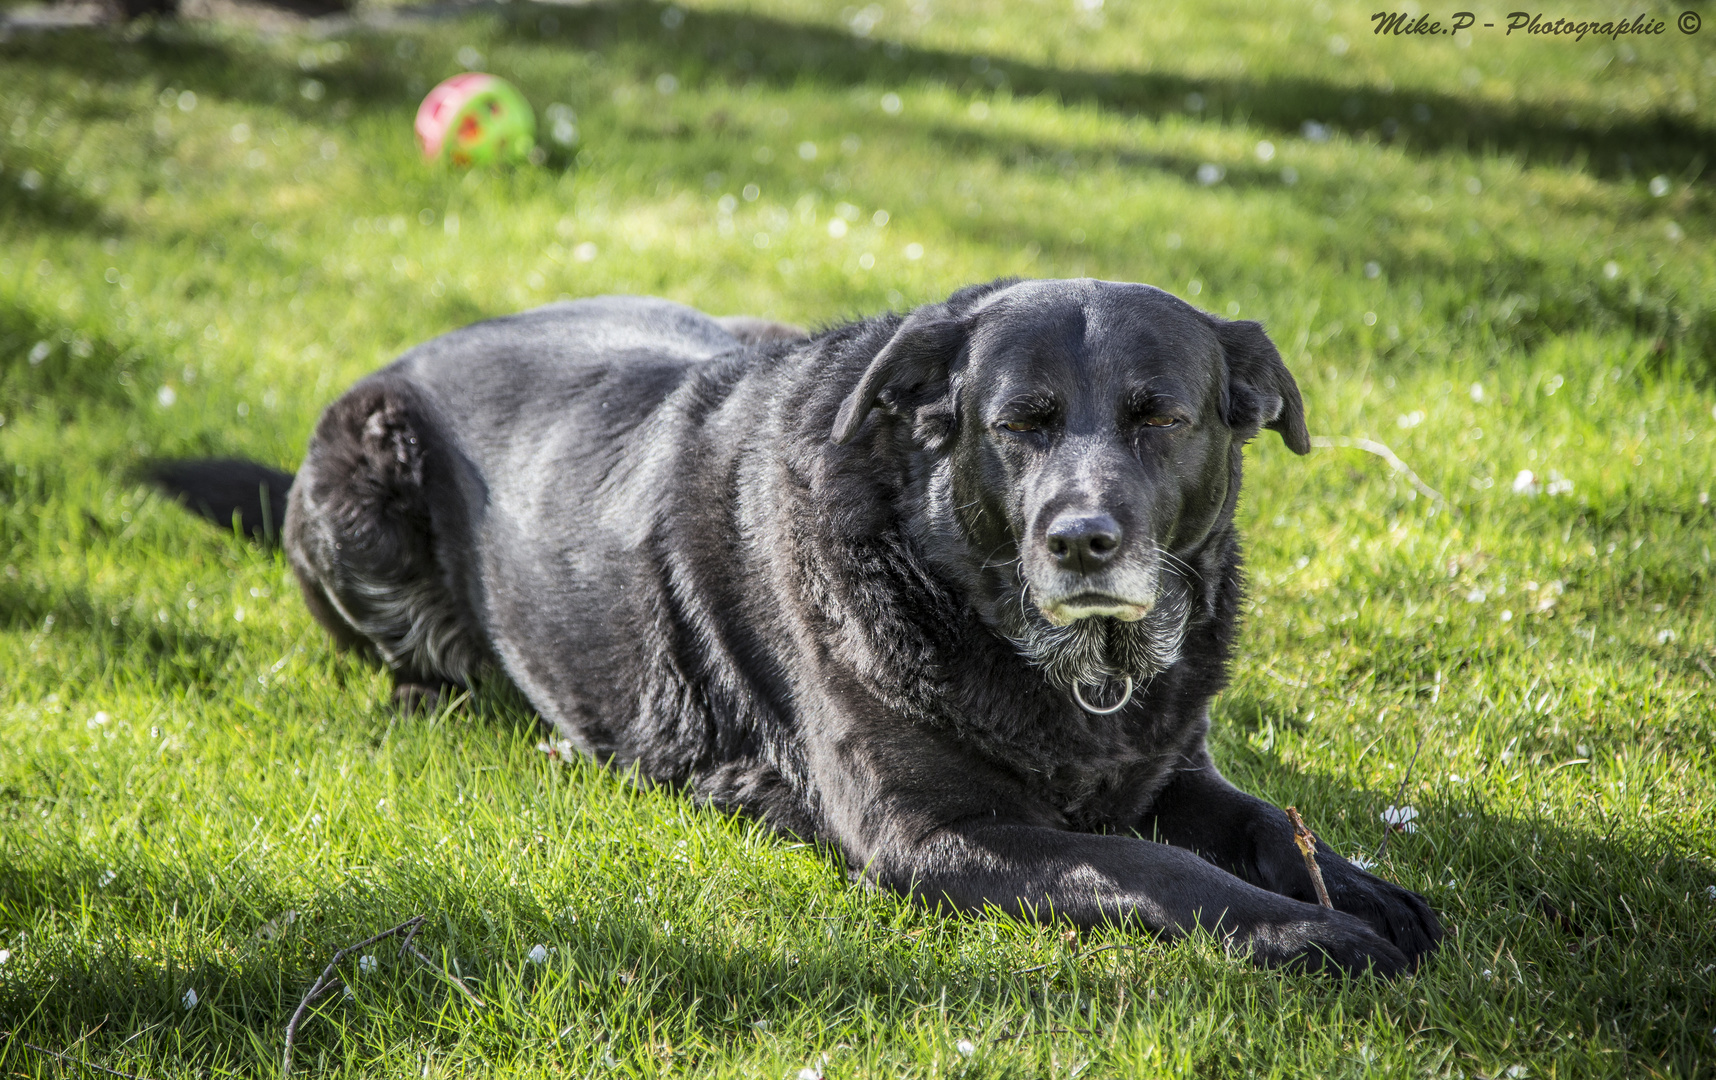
<point x="218" y="488"/>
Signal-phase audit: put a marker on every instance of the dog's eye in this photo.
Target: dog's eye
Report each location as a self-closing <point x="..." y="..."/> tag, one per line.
<point x="1161" y="420"/>
<point x="1018" y="425"/>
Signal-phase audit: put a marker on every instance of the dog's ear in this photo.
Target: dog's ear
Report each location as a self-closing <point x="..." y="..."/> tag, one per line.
<point x="1261" y="391"/>
<point x="917" y="356"/>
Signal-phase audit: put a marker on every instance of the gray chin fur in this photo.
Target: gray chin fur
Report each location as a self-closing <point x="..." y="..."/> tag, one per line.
<point x="1094" y="650"/>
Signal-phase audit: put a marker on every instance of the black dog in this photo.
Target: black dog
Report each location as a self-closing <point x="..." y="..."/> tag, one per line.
<point x="950" y="592"/>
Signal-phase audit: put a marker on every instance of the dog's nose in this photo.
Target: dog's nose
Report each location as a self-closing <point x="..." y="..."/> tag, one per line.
<point x="1083" y="542"/>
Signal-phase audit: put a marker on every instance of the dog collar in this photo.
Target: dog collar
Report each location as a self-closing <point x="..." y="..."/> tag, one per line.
<point x="1114" y="708"/>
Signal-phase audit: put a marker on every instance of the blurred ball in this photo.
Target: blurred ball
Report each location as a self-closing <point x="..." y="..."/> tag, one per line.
<point x="476" y="119"/>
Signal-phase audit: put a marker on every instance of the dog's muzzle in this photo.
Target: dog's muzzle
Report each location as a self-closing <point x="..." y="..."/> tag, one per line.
<point x="1089" y="606"/>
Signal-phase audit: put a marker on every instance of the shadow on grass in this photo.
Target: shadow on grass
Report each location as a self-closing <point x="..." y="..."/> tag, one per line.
<point x="742" y="47"/>
<point x="44" y="362"/>
<point x="1496" y="290"/>
<point x="115" y="634"/>
<point x="33" y="198"/>
<point x="1588" y="930"/>
<point x="736" y="46"/>
<point x="1573" y="906"/>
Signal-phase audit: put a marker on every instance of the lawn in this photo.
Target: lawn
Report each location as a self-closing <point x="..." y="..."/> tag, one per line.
<point x="1492" y="254"/>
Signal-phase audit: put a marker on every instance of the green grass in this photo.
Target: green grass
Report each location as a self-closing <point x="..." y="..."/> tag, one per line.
<point x="206" y="234"/>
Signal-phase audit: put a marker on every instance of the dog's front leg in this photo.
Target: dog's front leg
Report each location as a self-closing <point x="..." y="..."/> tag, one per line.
<point x="1090" y="879"/>
<point x="1251" y="839"/>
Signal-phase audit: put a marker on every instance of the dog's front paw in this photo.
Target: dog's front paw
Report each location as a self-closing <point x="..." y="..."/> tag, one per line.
<point x="1400" y="915"/>
<point x="1326" y="941"/>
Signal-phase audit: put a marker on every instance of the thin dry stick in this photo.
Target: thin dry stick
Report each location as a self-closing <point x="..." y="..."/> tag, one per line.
<point x="1307" y="843"/>
<point x="1074" y="956"/>
<point x="1388" y="829"/>
<point x="1370" y="446"/>
<point x="73" y="1060"/>
<point x="326" y="981"/>
<point x="448" y="977"/>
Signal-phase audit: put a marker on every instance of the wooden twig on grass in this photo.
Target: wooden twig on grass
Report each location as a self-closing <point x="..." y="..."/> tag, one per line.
<point x="1370" y="446"/>
<point x="1307" y="844"/>
<point x="1388" y="829"/>
<point x="328" y="981"/>
<point x="450" y="979"/>
<point x="72" y="1060"/>
<point x="1075" y="956"/>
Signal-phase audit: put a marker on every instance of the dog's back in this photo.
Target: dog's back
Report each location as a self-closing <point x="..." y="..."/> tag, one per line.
<point x="416" y="524"/>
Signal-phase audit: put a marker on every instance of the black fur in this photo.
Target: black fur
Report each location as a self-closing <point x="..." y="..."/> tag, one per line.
<point x="851" y="584"/>
<point x="218" y="488"/>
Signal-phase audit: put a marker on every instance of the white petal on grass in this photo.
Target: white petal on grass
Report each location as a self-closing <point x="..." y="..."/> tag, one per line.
<point x="558" y="750"/>
<point x="1659" y="186"/>
<point x="166" y="396"/>
<point x="891" y="104"/>
<point x="1265" y="151"/>
<point x="1478" y="392"/>
<point x="965" y="1047"/>
<point x="1526" y="483"/>
<point x="1401" y="818"/>
<point x="189" y="1000"/>
<point x="538" y="954"/>
<point x="1361" y="862"/>
<point x="1710" y="893"/>
<point x="367" y="964"/>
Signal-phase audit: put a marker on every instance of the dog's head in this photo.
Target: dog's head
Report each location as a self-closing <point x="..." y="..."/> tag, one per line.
<point x="1087" y="436"/>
